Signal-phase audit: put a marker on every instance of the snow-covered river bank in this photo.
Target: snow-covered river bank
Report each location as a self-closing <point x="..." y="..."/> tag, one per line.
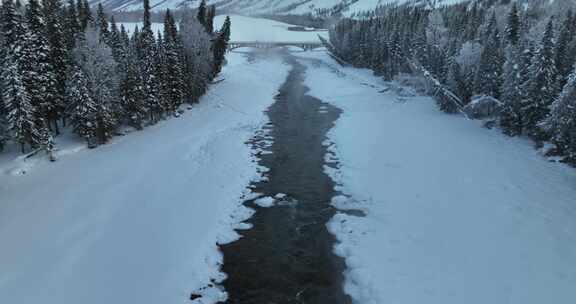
<point x="456" y="213"/>
<point x="451" y="212"/>
<point x="137" y="221"/>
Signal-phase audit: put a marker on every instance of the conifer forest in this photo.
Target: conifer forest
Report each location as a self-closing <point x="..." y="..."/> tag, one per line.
<point x="67" y="66"/>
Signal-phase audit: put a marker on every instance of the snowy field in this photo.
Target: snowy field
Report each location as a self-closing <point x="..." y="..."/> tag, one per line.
<point x="136" y="221"/>
<point x="456" y="213"/>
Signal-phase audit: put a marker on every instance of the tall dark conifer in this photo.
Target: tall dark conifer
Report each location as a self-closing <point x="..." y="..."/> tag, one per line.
<point x="541" y="87"/>
<point x="40" y="73"/>
<point x="201" y="14"/>
<point x="148" y="66"/>
<point x="221" y="45"/>
<point x="59" y="56"/>
<point x="489" y="74"/>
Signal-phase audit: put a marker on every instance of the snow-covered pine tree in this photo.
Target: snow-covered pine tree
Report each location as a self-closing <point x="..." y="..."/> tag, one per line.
<point x="171" y="67"/>
<point x="11" y="23"/>
<point x="561" y="123"/>
<point x="22" y="119"/>
<point x="220" y="46"/>
<point x="488" y="78"/>
<point x="541" y="87"/>
<point x="115" y="41"/>
<point x="148" y="65"/>
<point x="59" y="55"/>
<point x="101" y="22"/>
<point x="515" y="74"/>
<point x="39" y="73"/>
<point x="197" y="59"/>
<point x="124" y="38"/>
<point x="565" y="57"/>
<point x="131" y="91"/>
<point x="94" y="58"/>
<point x="455" y="83"/>
<point x="82" y="109"/>
<point x="513" y="25"/>
<point x="71" y="25"/>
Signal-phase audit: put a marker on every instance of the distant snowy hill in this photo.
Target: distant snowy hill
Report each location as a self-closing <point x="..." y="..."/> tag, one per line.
<point x="297" y="7"/>
<point x="257" y="7"/>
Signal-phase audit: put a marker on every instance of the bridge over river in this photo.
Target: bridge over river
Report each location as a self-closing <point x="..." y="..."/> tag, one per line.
<point x="304" y="45"/>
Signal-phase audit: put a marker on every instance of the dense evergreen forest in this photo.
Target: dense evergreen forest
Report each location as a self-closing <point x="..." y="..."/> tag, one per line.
<point x="515" y="59"/>
<point x="63" y="66"/>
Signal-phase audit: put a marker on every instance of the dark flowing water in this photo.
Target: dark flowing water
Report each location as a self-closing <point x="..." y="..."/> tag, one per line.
<point x="287" y="256"/>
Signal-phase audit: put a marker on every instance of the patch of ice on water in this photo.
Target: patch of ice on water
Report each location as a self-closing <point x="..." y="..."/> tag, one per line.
<point x="265" y="202"/>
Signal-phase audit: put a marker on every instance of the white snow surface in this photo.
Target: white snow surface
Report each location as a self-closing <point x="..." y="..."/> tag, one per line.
<point x="456" y="213"/>
<point x="137" y="220"/>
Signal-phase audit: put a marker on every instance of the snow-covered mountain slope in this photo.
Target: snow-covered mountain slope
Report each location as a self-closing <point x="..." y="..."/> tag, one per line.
<point x="256" y="7"/>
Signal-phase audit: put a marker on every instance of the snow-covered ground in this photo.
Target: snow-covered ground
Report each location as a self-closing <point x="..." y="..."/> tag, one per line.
<point x="136" y="221"/>
<point x="456" y="213"/>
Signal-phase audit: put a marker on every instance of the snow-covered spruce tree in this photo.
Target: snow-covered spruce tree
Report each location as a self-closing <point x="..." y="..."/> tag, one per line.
<point x="541" y="87"/>
<point x="132" y="91"/>
<point x="94" y="58"/>
<point x="513" y="25"/>
<point x="101" y="23"/>
<point x="39" y="73"/>
<point x="71" y="25"/>
<point x="25" y="79"/>
<point x="171" y="65"/>
<point x="148" y="52"/>
<point x="115" y="41"/>
<point x="220" y="46"/>
<point x="564" y="56"/>
<point x="82" y="109"/>
<point x="517" y="60"/>
<point x="516" y="73"/>
<point x="561" y="123"/>
<point x="59" y="56"/>
<point x="488" y="77"/>
<point x="197" y="57"/>
<point x="455" y="82"/>
<point x="22" y="118"/>
<point x="11" y="24"/>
